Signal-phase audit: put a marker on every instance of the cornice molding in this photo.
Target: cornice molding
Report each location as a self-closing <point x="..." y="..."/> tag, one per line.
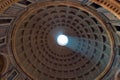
<point x="111" y="5"/>
<point x="4" y="4"/>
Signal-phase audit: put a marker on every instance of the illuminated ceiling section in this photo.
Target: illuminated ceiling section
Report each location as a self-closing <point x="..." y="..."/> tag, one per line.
<point x="59" y="39"/>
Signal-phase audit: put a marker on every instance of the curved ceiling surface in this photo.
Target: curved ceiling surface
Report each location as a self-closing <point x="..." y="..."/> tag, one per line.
<point x="87" y="56"/>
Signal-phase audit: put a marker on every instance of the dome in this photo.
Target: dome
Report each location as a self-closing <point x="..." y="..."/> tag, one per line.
<point x="88" y="53"/>
<point x="59" y="40"/>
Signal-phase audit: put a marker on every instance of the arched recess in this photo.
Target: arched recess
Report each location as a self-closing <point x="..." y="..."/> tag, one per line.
<point x="3" y="64"/>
